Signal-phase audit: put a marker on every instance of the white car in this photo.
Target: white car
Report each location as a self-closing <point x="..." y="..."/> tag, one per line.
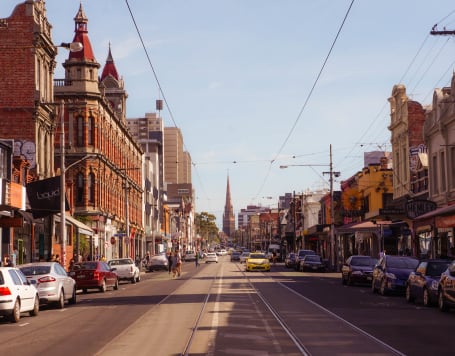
<point x="17" y="295"/>
<point x="222" y="252"/>
<point x="244" y="256"/>
<point x="126" y="269"/>
<point x="54" y="285"/>
<point x="211" y="257"/>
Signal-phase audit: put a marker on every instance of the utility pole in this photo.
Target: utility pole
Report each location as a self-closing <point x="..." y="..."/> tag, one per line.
<point x="332" y="212"/>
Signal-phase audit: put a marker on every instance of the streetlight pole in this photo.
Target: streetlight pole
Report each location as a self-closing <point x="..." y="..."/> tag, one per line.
<point x="62" y="184"/>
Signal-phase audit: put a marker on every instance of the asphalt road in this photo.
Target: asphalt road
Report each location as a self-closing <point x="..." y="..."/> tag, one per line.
<point x="217" y="309"/>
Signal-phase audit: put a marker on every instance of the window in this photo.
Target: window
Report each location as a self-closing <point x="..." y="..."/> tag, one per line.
<point x="90" y="131"/>
<point x="443" y="172"/>
<point x="80" y="188"/>
<point x="91" y="188"/>
<point x="434" y="175"/>
<point x="80" y="131"/>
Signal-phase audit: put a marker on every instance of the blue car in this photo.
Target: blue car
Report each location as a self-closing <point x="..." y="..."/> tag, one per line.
<point x="422" y="284"/>
<point x="391" y="273"/>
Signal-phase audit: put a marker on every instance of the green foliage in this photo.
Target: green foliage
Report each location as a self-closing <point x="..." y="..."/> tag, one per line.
<point x="206" y="226"/>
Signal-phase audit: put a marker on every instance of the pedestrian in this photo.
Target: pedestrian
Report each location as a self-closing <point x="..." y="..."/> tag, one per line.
<point x="178" y="263"/>
<point x="169" y="261"/>
<point x="196" y="260"/>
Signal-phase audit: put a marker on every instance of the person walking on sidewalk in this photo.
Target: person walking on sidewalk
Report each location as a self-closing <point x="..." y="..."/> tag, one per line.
<point x="196" y="260"/>
<point x="169" y="262"/>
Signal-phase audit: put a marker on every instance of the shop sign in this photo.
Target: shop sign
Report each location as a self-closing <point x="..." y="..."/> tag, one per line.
<point x="415" y="208"/>
<point x="445" y="221"/>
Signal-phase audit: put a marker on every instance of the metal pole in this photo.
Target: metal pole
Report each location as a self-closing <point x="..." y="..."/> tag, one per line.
<point x="127" y="219"/>
<point x="62" y="185"/>
<point x="332" y="215"/>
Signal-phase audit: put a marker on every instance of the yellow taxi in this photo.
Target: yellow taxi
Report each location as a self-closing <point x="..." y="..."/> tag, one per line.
<point x="257" y="261"/>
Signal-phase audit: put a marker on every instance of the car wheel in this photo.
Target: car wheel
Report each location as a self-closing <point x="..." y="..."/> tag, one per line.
<point x="103" y="286"/>
<point x="35" y="310"/>
<point x="408" y="294"/>
<point x="426" y="298"/>
<point x="72" y="300"/>
<point x="383" y="288"/>
<point x="16" y="312"/>
<point x="441" y="302"/>
<point x="116" y="285"/>
<point x="61" y="300"/>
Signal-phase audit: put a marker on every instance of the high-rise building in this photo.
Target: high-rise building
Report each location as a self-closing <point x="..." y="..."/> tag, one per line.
<point x="148" y="132"/>
<point x="228" y="216"/>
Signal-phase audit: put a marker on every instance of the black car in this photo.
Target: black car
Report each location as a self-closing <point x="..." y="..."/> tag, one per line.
<point x="312" y="263"/>
<point x="358" y="269"/>
<point x="391" y="273"/>
<point x="300" y="255"/>
<point x="422" y="284"/>
<point x="289" y="261"/>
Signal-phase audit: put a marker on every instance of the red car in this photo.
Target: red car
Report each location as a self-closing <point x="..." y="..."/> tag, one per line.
<point x="94" y="275"/>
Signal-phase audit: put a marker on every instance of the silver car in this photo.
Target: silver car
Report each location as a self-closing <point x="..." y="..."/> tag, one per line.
<point x="54" y="285"/>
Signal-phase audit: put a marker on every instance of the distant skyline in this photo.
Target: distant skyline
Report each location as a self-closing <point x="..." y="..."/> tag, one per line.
<point x="257" y="84"/>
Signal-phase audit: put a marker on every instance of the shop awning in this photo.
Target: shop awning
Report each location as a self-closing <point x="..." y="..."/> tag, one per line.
<point x="363" y="226"/>
<point x="80" y="226"/>
<point x="450" y="209"/>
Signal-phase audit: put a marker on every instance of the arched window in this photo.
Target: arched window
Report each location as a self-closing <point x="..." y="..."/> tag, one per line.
<point x="91" y="188"/>
<point x="80" y="188"/>
<point x="90" y="131"/>
<point x="80" y="131"/>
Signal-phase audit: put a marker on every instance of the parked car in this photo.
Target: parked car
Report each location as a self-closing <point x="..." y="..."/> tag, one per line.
<point x="244" y="256"/>
<point x="312" y="263"/>
<point x="126" y="269"/>
<point x="300" y="255"/>
<point x="94" y="275"/>
<point x="158" y="262"/>
<point x="53" y="283"/>
<point x="257" y="262"/>
<point x="289" y="261"/>
<point x="189" y="256"/>
<point x="235" y="256"/>
<point x="211" y="257"/>
<point x="391" y="273"/>
<point x="422" y="284"/>
<point x="446" y="288"/>
<point x="17" y="294"/>
<point x="358" y="269"/>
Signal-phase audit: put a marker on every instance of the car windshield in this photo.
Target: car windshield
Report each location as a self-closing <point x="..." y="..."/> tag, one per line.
<point x="124" y="261"/>
<point x="312" y="258"/>
<point x="88" y="265"/>
<point x="35" y="270"/>
<point x="436" y="268"/>
<point x="304" y="253"/>
<point x="245" y="254"/>
<point x="257" y="255"/>
<point x="363" y="261"/>
<point x="407" y="263"/>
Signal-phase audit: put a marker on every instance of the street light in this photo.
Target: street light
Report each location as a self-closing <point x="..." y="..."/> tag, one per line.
<point x="72" y="47"/>
<point x="332" y="212"/>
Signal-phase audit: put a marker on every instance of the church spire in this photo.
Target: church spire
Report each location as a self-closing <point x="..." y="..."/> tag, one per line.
<point x="228" y="216"/>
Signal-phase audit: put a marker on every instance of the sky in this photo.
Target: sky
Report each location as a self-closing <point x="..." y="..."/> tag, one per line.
<point x="258" y="84"/>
